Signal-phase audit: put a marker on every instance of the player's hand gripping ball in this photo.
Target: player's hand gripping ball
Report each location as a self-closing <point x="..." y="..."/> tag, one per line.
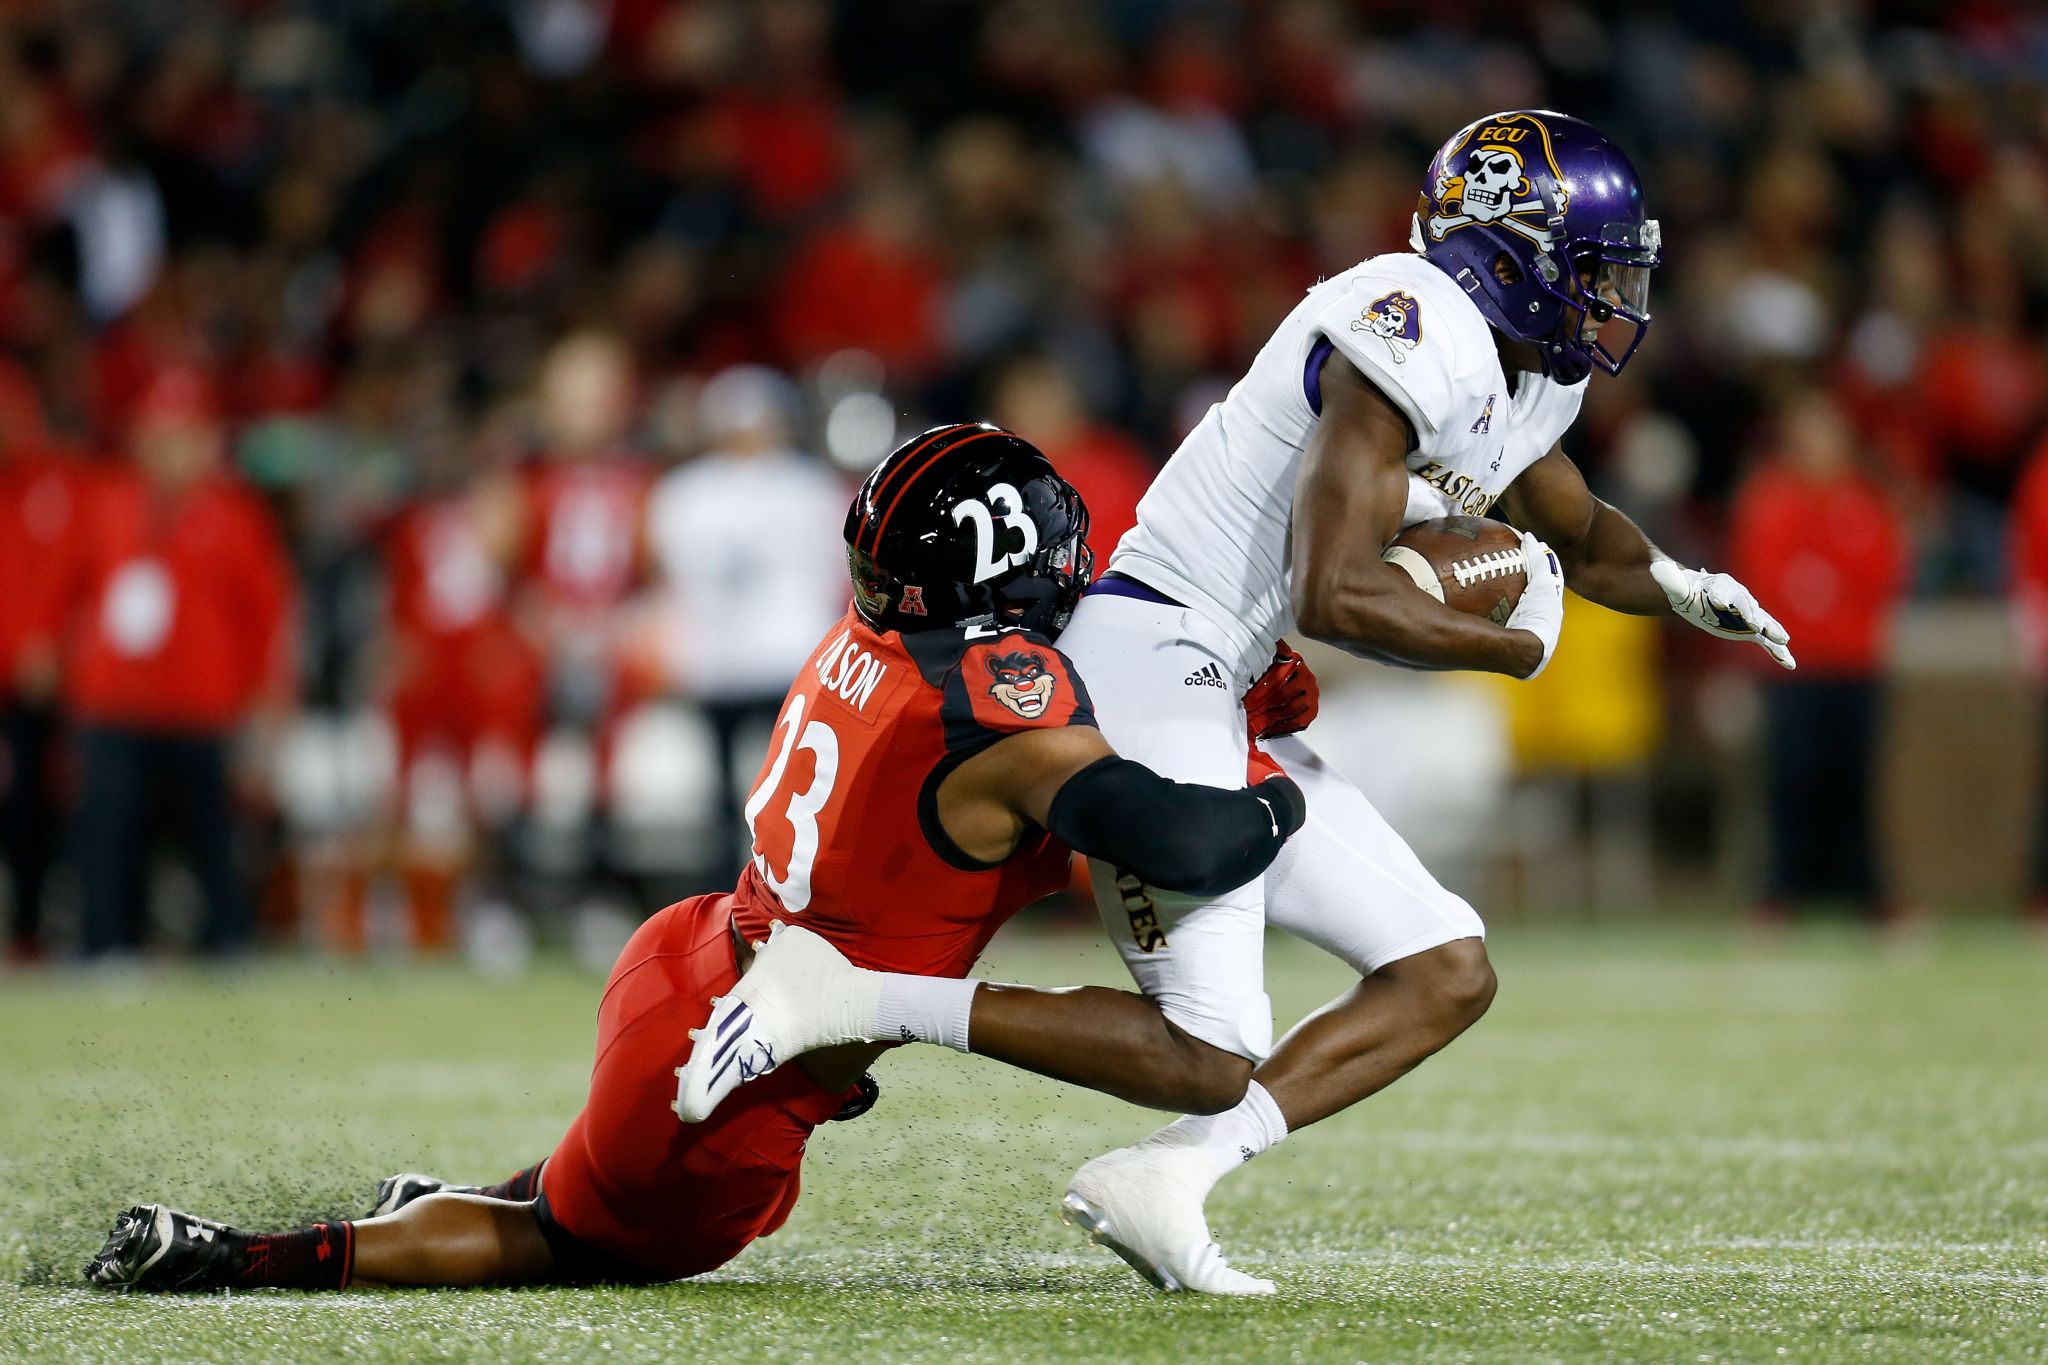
<point x="1467" y="563"/>
<point x="1285" y="698"/>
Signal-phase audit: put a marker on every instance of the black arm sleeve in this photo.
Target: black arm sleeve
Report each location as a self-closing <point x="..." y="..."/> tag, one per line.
<point x="1173" y="835"/>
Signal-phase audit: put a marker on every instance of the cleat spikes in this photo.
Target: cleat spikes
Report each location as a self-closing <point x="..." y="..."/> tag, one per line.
<point x="153" y="1247"/>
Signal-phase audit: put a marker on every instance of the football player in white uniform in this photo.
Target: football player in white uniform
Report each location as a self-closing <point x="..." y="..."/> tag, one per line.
<point x="1414" y="385"/>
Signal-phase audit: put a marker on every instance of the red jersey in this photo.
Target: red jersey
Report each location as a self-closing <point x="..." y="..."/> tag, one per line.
<point x="587" y="516"/>
<point x="1830" y="556"/>
<point x="461" y="671"/>
<point x="37" y="500"/>
<point x="180" y="610"/>
<point x="2029" y="557"/>
<point x="847" y="841"/>
<point x="445" y="582"/>
<point x="1111" y="474"/>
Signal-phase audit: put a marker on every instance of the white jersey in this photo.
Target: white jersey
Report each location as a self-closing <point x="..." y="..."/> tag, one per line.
<point x="1213" y="531"/>
<point x="748" y="603"/>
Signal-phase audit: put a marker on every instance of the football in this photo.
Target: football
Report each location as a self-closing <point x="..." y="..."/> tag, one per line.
<point x="1468" y="563"/>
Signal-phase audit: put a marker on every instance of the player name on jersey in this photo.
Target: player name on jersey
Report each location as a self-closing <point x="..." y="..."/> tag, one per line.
<point x="850" y="673"/>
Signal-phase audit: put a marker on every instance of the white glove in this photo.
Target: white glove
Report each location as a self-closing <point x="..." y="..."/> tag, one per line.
<point x="1719" y="605"/>
<point x="1541" y="608"/>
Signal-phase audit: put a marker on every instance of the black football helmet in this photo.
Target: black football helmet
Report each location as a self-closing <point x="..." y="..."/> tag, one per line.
<point x="967" y="525"/>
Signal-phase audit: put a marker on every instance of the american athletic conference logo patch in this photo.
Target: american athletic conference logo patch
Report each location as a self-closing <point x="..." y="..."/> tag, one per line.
<point x="1396" y="319"/>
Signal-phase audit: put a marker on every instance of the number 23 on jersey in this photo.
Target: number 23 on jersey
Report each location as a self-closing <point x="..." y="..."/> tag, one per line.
<point x="807" y="794"/>
<point x="804" y="764"/>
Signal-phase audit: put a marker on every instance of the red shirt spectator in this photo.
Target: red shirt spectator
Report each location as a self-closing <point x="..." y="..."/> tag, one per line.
<point x="786" y="147"/>
<point x="177" y="586"/>
<point x="1037" y="399"/>
<point x="2029" y="554"/>
<point x="1818" y="540"/>
<point x="1982" y="390"/>
<point x="38" y="495"/>
<point x="36" y="500"/>
<point x="1112" y="474"/>
<point x="872" y="284"/>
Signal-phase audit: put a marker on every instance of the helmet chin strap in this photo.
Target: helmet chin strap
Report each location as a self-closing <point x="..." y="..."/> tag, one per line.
<point x="1562" y="366"/>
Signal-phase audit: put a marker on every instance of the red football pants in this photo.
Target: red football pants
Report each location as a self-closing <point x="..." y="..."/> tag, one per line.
<point x="632" y="1183"/>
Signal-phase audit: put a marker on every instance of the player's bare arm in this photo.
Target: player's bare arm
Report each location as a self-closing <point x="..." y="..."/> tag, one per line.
<point x="1066" y="780"/>
<point x="1607" y="559"/>
<point x="1071" y="782"/>
<point x="1606" y="556"/>
<point x="1348" y="503"/>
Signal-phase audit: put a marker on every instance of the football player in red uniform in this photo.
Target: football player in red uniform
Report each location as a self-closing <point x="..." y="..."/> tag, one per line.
<point x="466" y="689"/>
<point x="933" y="766"/>
<point x="584" y="559"/>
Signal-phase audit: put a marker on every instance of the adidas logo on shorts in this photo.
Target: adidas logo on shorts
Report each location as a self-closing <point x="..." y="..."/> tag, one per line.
<point x="1208" y="675"/>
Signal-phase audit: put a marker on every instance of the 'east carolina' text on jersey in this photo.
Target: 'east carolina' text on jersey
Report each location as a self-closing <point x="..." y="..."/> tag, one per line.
<point x="1213" y="531"/>
<point x="847" y="841"/>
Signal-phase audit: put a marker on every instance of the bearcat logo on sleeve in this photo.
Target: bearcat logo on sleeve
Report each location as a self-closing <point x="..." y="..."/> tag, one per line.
<point x="1014" y="683"/>
<point x="1396" y="319"/>
<point x="1022" y="682"/>
<point x="1485" y="178"/>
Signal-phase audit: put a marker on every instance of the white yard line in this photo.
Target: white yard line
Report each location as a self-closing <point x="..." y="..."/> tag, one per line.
<point x="1583" y="1144"/>
<point x="781" y="1267"/>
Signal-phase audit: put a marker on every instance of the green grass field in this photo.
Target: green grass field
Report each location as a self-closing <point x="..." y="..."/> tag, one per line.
<point x="1663" y="1144"/>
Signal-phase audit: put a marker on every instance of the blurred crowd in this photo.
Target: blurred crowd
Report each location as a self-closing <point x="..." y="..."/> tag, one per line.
<point x="495" y="367"/>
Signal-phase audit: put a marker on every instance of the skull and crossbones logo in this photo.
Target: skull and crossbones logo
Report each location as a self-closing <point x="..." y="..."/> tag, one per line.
<point x="1492" y="175"/>
<point x="1489" y="184"/>
<point x="1396" y="319"/>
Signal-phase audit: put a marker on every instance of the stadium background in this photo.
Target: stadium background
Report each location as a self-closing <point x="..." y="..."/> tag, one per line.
<point x="395" y="261"/>
<point x="453" y="288"/>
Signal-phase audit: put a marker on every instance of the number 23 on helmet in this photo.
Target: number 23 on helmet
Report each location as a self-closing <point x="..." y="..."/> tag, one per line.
<point x="967" y="525"/>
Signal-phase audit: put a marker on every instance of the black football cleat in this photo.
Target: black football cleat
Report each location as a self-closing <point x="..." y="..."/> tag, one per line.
<point x="394" y="1192"/>
<point x="158" y="1248"/>
<point x="869" y="1091"/>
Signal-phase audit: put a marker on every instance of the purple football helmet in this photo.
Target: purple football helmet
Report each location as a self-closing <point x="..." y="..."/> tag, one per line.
<point x="1555" y="198"/>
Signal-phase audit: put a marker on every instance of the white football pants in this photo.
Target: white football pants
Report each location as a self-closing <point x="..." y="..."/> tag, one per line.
<point x="1167" y="688"/>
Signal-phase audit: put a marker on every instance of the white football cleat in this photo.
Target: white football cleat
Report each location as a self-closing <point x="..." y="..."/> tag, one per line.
<point x="1145" y="1204"/>
<point x="799" y="993"/>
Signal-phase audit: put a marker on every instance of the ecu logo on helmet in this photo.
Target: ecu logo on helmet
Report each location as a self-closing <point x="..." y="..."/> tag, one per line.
<point x="1022" y="682"/>
<point x="1485" y="178"/>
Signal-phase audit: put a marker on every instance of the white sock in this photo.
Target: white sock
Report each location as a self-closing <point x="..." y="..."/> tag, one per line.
<point x="1232" y="1137"/>
<point x="924" y="1009"/>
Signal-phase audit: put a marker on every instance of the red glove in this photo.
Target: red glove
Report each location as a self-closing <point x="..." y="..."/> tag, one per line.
<point x="1284" y="699"/>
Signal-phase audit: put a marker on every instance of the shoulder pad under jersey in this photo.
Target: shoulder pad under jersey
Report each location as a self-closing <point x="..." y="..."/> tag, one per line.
<point x="1401" y="321"/>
